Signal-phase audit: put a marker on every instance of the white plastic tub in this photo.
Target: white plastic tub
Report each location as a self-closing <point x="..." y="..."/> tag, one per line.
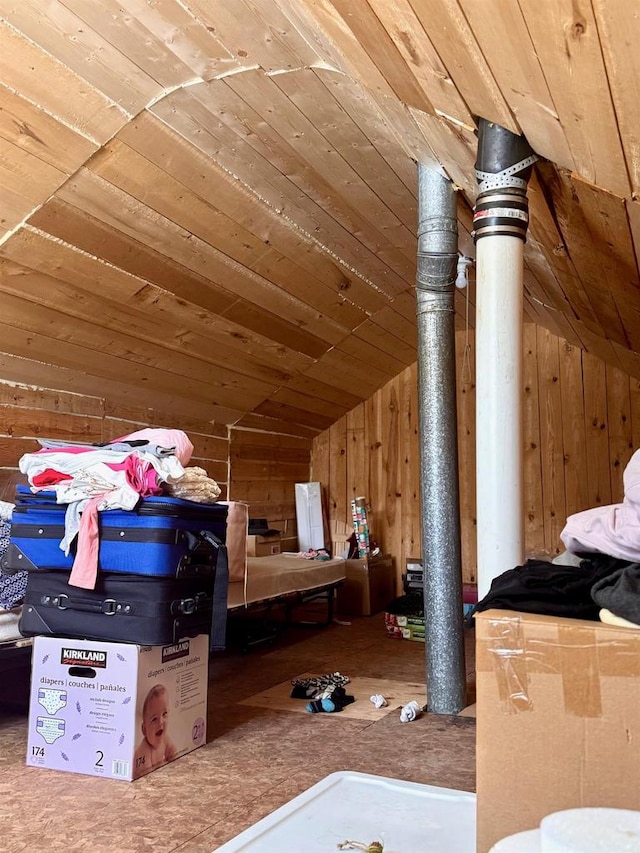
<point x="405" y="816"/>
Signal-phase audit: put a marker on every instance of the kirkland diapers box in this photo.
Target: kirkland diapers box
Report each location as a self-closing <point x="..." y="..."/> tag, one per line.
<point x="116" y="710"/>
<point x="558" y="719"/>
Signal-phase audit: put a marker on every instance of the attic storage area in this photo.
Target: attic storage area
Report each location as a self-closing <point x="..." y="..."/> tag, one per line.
<point x="208" y="221"/>
<point x="248" y="216"/>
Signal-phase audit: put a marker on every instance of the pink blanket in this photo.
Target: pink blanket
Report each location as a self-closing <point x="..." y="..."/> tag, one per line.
<point x="612" y="529"/>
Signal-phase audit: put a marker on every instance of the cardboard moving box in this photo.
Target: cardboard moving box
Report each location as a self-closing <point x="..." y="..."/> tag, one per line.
<point x="263" y="546"/>
<point x="116" y="710"/>
<point x="558" y="719"/>
<point x="369" y="586"/>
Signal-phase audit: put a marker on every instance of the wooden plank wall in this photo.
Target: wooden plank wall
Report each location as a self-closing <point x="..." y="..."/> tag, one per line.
<point x="27" y="414"/>
<point x="264" y="468"/>
<point x="581" y="425"/>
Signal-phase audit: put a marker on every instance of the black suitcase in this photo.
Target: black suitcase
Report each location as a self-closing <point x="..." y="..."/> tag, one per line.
<point x="148" y="611"/>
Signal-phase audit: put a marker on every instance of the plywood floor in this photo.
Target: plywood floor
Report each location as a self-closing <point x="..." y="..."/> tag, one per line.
<point x="257" y="758"/>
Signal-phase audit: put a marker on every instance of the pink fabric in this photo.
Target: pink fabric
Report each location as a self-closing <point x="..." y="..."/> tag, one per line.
<point x="141" y="475"/>
<point x="612" y="529"/>
<point x="84" y="571"/>
<point x="165" y="438"/>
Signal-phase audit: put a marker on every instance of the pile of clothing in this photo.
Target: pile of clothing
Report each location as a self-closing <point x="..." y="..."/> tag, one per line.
<point x="598" y="577"/>
<point x="326" y="693"/>
<point x="91" y="478"/>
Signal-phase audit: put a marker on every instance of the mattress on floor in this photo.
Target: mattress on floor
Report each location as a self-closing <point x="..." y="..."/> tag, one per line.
<point x="283" y="574"/>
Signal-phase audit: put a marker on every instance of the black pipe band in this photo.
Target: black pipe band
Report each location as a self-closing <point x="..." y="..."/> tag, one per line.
<point x="503" y="212"/>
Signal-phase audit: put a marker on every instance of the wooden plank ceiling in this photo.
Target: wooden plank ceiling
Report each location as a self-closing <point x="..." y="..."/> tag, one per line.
<point x="209" y="206"/>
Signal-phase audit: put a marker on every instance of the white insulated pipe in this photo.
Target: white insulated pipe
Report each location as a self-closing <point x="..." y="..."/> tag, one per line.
<point x="500" y="221"/>
<point x="499" y="451"/>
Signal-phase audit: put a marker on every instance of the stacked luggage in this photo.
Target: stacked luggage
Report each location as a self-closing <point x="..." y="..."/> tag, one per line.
<point x="161" y="568"/>
<point x="162" y="571"/>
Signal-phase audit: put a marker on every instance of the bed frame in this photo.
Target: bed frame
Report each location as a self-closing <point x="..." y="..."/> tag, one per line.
<point x="283" y="581"/>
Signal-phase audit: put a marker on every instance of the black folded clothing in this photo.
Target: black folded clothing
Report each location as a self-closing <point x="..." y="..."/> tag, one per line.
<point x="619" y="592"/>
<point x="550" y="589"/>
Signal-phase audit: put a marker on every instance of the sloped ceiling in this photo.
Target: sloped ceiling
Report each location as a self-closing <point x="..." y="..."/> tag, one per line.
<point x="209" y="206"/>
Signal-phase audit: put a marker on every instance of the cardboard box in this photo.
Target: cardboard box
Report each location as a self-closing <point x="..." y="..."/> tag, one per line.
<point x="369" y="586"/>
<point x="116" y="710"/>
<point x="263" y="546"/>
<point x="558" y="719"/>
<point x="415" y="633"/>
<point x="404" y="627"/>
<point x="413" y="564"/>
<point x="393" y="631"/>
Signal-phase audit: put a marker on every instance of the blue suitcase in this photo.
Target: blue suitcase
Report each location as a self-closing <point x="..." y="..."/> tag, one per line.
<point x="162" y="537"/>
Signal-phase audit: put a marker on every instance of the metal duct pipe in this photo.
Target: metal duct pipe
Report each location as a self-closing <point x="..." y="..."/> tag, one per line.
<point x="437" y="265"/>
<point x="500" y="220"/>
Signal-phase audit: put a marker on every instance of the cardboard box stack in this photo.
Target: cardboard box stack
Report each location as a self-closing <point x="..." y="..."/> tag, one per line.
<point x="404" y="617"/>
<point x="413" y="581"/>
<point x="414" y="574"/>
<point x="403" y="627"/>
